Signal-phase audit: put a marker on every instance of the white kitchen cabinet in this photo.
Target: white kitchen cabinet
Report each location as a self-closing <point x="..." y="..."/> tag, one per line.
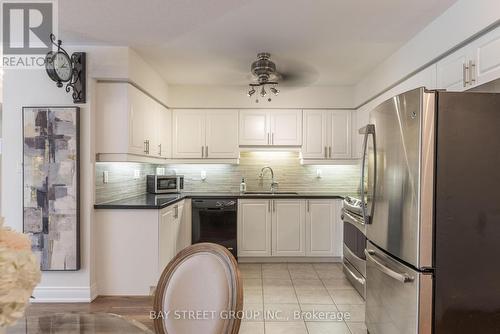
<point x="167" y="229"/>
<point x="340" y="143"/>
<point x="486" y="53"/>
<point x="221" y="134"/>
<point x="254" y="227"/>
<point x="270" y="127"/>
<point x="327" y="135"/>
<point x="188" y="133"/>
<point x="321" y="229"/>
<point x="453" y="72"/>
<point x="286" y="127"/>
<point x="202" y="134"/>
<point x="184" y="230"/>
<point x="130" y="124"/>
<point x="254" y="128"/>
<point x="314" y="133"/>
<point x="164" y="148"/>
<point x="288" y="227"/>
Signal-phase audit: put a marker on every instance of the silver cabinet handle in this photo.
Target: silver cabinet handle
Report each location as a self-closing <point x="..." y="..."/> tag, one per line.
<point x="206" y="151"/>
<point x="308" y="206"/>
<point x="326" y="154"/>
<point x="202" y="152"/>
<point x="330" y="151"/>
<point x="465" y="70"/>
<point x="472" y="69"/>
<point x="176" y="214"/>
<point x="145" y="146"/>
<point x="353" y="275"/>
<point x="268" y="139"/>
<point x="272" y="138"/>
<point x="402" y="277"/>
<point x="159" y="149"/>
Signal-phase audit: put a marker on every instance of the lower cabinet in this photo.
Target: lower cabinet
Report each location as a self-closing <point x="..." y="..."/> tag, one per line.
<point x="254" y="227"/>
<point x="132" y="247"/>
<point x="289" y="228"/>
<point x="173" y="229"/>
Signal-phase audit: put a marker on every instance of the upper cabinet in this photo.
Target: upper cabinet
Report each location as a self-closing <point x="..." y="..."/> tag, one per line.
<point x="270" y="127"/>
<point x="327" y="135"/>
<point x="473" y="65"/>
<point x="130" y="125"/>
<point x="205" y="134"/>
<point x="454" y="72"/>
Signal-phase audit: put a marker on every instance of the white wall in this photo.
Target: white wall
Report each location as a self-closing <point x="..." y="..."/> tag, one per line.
<point x="460" y="22"/>
<point x="236" y="97"/>
<point x="34" y="88"/>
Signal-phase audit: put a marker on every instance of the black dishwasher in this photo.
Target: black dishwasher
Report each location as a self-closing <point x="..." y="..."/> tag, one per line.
<point x="214" y="220"/>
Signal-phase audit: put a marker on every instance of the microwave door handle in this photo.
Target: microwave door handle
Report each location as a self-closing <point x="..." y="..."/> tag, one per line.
<point x="401" y="277"/>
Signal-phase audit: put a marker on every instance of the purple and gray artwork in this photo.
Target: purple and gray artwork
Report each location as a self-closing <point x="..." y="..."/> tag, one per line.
<point x="51" y="185"/>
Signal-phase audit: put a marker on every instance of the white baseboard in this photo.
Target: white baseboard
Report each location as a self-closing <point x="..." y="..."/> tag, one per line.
<point x="72" y="294"/>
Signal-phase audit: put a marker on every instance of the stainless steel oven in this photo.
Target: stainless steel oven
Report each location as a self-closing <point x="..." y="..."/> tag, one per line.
<point x="354" y="245"/>
<point x="162" y="184"/>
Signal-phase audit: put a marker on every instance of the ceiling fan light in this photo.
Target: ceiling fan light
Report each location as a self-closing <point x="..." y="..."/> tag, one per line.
<point x="263" y="92"/>
<point x="251" y="92"/>
<point x="274" y="90"/>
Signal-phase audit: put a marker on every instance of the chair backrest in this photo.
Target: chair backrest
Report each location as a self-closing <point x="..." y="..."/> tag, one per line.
<point x="200" y="291"/>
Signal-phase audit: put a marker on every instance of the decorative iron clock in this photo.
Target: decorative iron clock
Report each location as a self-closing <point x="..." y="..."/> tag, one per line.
<point x="63" y="68"/>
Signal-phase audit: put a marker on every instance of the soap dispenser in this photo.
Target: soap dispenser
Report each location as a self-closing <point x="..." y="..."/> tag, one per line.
<point x="243" y="185"/>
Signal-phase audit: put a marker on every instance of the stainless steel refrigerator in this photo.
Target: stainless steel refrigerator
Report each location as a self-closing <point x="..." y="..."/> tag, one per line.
<point x="431" y="186"/>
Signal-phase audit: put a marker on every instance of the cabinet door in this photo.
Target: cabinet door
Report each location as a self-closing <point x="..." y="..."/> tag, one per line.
<point x="314" y="144"/>
<point x="254" y="227"/>
<point x="320" y="227"/>
<point x="341" y="132"/>
<point x="166" y="238"/>
<point x="178" y="227"/>
<point x="451" y="72"/>
<point x="151" y="125"/>
<point x="254" y="128"/>
<point x="288" y="227"/>
<point x="222" y="134"/>
<point x="137" y="121"/>
<point x="286" y="127"/>
<point x="184" y="236"/>
<point x="487" y="58"/>
<point x="164" y="127"/>
<point x="189" y="133"/>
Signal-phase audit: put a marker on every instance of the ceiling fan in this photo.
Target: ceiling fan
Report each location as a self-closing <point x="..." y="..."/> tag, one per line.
<point x="265" y="76"/>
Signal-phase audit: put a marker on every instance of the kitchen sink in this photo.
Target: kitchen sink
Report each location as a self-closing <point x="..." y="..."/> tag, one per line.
<point x="270" y="193"/>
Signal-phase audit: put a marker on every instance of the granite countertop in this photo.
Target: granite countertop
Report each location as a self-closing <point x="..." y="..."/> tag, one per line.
<point x="151" y="201"/>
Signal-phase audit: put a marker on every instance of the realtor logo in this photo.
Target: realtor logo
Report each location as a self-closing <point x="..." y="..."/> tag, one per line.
<point x="26" y="27"/>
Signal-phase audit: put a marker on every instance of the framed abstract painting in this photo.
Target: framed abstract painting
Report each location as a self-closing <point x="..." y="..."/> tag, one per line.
<point x="51" y="185"/>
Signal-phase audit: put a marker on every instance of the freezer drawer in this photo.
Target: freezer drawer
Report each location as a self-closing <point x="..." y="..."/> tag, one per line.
<point x="398" y="298"/>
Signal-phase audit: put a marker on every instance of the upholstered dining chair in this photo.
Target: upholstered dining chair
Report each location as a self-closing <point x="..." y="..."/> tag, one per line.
<point x="200" y="291"/>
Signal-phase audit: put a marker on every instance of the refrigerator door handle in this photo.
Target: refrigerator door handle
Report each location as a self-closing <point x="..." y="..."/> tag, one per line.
<point x="402" y="277"/>
<point x="367" y="131"/>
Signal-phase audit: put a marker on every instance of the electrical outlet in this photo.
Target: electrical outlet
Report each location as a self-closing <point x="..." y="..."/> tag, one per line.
<point x="319" y="173"/>
<point x="203" y="175"/>
<point x="105" y="176"/>
<point x="137" y="173"/>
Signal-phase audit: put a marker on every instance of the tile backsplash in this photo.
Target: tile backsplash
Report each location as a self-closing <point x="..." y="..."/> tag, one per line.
<point x="288" y="172"/>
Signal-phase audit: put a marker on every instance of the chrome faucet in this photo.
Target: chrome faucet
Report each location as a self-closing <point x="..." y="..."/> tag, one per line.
<point x="274" y="184"/>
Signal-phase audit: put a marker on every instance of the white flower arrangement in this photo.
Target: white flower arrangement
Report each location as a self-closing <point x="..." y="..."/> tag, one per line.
<point x="19" y="274"/>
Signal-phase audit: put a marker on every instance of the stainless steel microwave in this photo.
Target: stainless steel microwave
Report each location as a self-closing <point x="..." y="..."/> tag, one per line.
<point x="162" y="184"/>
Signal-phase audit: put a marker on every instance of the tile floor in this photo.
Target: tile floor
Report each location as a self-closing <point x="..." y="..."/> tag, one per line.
<point x="300" y="298"/>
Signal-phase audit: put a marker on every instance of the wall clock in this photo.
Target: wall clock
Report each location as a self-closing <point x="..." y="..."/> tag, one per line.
<point x="65" y="69"/>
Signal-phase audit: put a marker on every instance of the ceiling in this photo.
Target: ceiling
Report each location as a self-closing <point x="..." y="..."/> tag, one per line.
<point x="324" y="42"/>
